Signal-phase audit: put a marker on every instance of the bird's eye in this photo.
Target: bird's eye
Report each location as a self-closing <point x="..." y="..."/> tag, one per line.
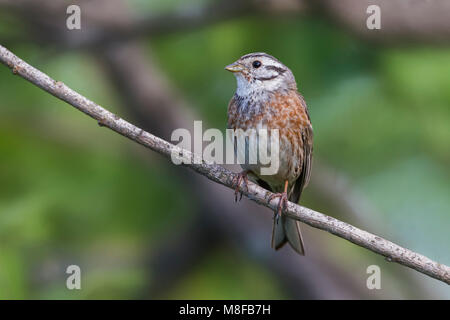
<point x="256" y="64"/>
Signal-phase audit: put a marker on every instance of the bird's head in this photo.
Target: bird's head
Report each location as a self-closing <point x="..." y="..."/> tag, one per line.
<point x="259" y="72"/>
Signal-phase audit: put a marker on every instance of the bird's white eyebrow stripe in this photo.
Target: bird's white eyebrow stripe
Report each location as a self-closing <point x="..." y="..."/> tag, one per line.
<point x="267" y="78"/>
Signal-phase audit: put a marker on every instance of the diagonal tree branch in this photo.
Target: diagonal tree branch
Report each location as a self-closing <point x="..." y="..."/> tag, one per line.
<point x="158" y="107"/>
<point x="218" y="174"/>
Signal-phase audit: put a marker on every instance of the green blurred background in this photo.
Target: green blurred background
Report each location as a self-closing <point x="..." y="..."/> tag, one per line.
<point x="74" y="193"/>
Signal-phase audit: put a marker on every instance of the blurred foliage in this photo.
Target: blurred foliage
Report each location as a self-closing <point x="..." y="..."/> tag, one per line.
<point x="70" y="189"/>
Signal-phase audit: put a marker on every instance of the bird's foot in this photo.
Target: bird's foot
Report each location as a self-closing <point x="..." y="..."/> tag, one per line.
<point x="242" y="176"/>
<point x="282" y="204"/>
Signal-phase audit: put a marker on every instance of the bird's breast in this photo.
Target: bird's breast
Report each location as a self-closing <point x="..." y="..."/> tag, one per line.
<point x="276" y="110"/>
<point x="284" y="112"/>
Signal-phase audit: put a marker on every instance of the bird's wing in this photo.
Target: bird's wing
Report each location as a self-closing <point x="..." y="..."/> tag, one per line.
<point x="231" y="113"/>
<point x="303" y="179"/>
<point x="291" y="226"/>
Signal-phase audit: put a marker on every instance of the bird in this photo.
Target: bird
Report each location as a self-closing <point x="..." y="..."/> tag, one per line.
<point x="267" y="97"/>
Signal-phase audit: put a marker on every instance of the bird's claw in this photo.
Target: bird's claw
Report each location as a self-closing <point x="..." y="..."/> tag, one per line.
<point x="282" y="204"/>
<point x="242" y="176"/>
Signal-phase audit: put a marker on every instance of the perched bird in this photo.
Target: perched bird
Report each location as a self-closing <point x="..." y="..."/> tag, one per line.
<point x="267" y="97"/>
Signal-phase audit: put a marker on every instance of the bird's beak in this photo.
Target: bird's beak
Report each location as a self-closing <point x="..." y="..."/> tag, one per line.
<point x="235" y="67"/>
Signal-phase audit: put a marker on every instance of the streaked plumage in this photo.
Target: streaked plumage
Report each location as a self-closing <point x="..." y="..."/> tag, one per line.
<point x="267" y="97"/>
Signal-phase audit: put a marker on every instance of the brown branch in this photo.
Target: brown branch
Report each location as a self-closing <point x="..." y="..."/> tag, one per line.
<point x="402" y="21"/>
<point x="102" y="25"/>
<point x="218" y="174"/>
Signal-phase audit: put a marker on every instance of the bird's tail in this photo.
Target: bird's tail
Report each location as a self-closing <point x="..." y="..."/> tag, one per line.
<point x="287" y="230"/>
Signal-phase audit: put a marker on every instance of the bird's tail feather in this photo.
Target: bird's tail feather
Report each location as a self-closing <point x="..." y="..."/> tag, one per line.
<point x="287" y="230"/>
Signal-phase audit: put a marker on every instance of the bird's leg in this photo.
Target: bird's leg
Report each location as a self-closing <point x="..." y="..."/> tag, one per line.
<point x="242" y="176"/>
<point x="283" y="200"/>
